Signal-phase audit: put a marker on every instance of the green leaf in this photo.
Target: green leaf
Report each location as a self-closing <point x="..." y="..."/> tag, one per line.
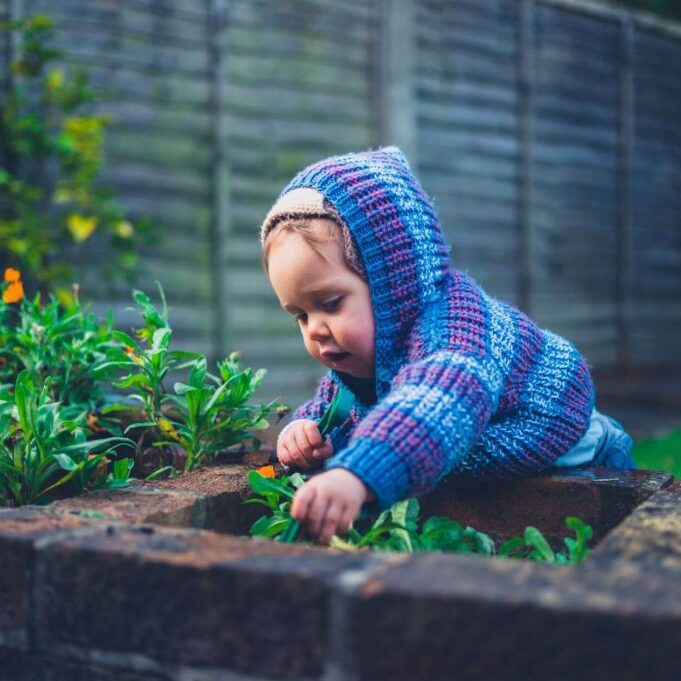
<point x="338" y="411"/>
<point x="512" y="546"/>
<point x="261" y="485"/>
<point x="66" y="462"/>
<point x="122" y="468"/>
<point x="290" y="534"/>
<point x="542" y="551"/>
<point x="269" y="526"/>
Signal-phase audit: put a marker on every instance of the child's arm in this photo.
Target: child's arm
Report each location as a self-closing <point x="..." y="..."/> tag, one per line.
<point x="437" y="410"/>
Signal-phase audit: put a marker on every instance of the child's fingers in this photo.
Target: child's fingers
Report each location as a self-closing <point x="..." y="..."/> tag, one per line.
<point x="297" y="458"/>
<point x="302" y="499"/>
<point x="314" y="437"/>
<point x="347" y="518"/>
<point x="330" y="523"/>
<point x="316" y="514"/>
<point x="304" y="447"/>
<point x="323" y="452"/>
<point x="283" y="454"/>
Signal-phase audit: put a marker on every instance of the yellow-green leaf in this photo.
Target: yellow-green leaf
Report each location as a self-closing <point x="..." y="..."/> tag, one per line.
<point x="124" y="229"/>
<point x="54" y="79"/>
<point x="81" y="228"/>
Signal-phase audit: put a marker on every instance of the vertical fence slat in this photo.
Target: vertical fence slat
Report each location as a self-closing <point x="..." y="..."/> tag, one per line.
<point x="219" y="228"/>
<point x="624" y="216"/>
<point x="526" y="227"/>
<point x="398" y="57"/>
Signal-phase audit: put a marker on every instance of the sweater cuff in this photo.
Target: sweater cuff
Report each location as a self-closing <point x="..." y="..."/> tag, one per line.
<point x="375" y="464"/>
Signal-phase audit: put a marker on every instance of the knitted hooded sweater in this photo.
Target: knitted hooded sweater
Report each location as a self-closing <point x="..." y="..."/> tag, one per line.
<point x="464" y="383"/>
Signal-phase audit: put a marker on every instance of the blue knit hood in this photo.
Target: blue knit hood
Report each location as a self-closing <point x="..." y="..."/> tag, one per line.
<point x="398" y="235"/>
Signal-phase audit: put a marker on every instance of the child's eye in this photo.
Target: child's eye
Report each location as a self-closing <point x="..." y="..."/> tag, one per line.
<point x="301" y="317"/>
<point x="331" y="305"/>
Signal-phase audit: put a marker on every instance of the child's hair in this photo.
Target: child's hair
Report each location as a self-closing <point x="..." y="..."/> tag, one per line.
<point x="334" y="229"/>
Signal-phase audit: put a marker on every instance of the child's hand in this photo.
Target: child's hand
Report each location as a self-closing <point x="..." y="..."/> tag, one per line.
<point x="328" y="503"/>
<point x="302" y="445"/>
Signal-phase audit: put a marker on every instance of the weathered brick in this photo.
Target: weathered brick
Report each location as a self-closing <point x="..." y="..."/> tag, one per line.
<point x="225" y="488"/>
<point x="470" y="618"/>
<point x="22" y="666"/>
<point x="189" y="597"/>
<point x="601" y="497"/>
<point x="19" y="530"/>
<point x="139" y="504"/>
<point x="650" y="536"/>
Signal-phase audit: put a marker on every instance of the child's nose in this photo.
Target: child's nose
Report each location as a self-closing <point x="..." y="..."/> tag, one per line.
<point x="317" y="329"/>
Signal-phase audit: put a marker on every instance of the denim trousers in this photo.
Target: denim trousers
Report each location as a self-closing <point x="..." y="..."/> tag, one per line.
<point x="605" y="444"/>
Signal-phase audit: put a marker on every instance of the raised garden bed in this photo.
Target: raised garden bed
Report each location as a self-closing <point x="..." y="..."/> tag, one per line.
<point x="147" y="583"/>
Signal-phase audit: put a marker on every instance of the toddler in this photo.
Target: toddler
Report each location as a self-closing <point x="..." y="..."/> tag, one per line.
<point x="446" y="379"/>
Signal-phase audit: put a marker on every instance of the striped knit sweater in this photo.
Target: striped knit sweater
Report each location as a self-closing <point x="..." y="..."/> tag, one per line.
<point x="465" y="384"/>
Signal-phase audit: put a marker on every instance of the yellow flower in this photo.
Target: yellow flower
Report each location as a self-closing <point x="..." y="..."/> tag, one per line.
<point x="12" y="275"/>
<point x="267" y="471"/>
<point x="14" y="292"/>
<point x="81" y="227"/>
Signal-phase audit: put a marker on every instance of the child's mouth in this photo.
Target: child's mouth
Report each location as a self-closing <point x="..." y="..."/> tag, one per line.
<point x="337" y="356"/>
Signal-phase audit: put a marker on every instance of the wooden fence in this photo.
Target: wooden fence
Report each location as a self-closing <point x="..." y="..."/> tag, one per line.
<point x="547" y="131"/>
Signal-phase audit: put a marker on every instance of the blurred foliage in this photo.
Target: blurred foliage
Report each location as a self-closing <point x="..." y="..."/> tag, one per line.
<point x="51" y="154"/>
<point x="660" y="454"/>
<point x="665" y="8"/>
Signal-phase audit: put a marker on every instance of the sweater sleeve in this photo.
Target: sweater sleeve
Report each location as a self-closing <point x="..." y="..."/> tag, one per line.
<point x="314" y="408"/>
<point x="435" y="411"/>
<point x="552" y="419"/>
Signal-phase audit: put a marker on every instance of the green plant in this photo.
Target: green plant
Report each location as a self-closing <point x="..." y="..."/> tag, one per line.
<point x="43" y="455"/>
<point x="276" y="494"/>
<point x="205" y="416"/>
<point x="660" y="453"/>
<point x="74" y="360"/>
<point x="397" y="528"/>
<point x="62" y="342"/>
<point x="50" y="159"/>
<point x="533" y="545"/>
<point x="147" y="362"/>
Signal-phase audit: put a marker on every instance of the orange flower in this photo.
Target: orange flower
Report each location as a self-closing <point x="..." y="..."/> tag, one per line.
<point x="267" y="472"/>
<point x="12" y="276"/>
<point x="14" y="293"/>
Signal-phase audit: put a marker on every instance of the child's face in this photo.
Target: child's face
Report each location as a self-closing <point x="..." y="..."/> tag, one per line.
<point x="331" y="303"/>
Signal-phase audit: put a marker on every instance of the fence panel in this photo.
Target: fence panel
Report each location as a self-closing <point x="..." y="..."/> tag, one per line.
<point x="656" y="198"/>
<point x="150" y="63"/>
<point x="298" y="85"/>
<point x="467" y="133"/>
<point x="520" y="132"/>
<point x="574" y="156"/>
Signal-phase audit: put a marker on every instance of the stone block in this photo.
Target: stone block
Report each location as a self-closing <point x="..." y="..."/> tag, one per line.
<point x="20" y="529"/>
<point x="188" y="597"/>
<point x="139" y="504"/>
<point x="650" y="536"/>
<point x="224" y="488"/>
<point x="437" y="617"/>
<point x="21" y="666"/>
<point x="599" y="496"/>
